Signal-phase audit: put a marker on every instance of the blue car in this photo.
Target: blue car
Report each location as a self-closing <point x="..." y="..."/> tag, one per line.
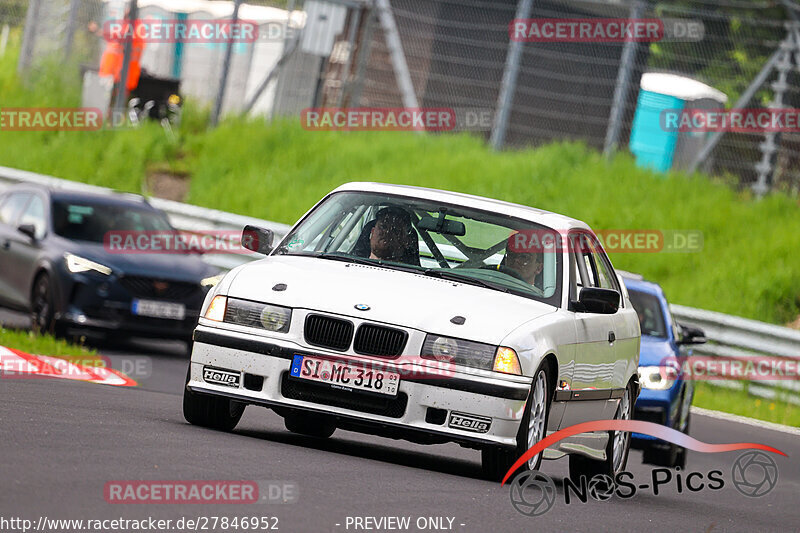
<point x="665" y="397"/>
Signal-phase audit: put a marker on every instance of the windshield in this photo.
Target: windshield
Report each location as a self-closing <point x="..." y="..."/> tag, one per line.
<point x="651" y="319"/>
<point x="89" y="221"/>
<point x="435" y="239"/>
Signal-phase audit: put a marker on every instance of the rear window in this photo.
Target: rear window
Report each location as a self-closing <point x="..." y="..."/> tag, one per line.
<point x="651" y="318"/>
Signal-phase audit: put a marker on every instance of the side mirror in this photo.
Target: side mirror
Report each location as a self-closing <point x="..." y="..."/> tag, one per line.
<point x="691" y="335"/>
<point x="29" y="230"/>
<point x="257" y="239"/>
<point x="597" y="300"/>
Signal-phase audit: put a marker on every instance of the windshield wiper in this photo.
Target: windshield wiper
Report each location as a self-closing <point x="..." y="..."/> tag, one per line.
<point x="444" y="274"/>
<point x="362" y="261"/>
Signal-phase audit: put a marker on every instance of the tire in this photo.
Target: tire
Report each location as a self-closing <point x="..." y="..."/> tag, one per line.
<point x="317" y="426"/>
<point x="215" y="412"/>
<point x="42" y="306"/>
<point x="661" y="456"/>
<point x="670" y="456"/>
<point x="683" y="452"/>
<point x="495" y="462"/>
<point x="617" y="449"/>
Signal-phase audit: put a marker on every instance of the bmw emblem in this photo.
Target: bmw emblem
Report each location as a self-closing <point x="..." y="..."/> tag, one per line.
<point x="362" y="307"/>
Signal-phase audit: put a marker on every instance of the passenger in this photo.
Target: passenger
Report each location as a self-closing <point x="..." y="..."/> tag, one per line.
<point x="527" y="264"/>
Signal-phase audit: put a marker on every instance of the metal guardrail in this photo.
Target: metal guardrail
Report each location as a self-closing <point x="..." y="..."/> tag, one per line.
<point x="728" y="336"/>
<point x="734" y="337"/>
<point x="182" y="216"/>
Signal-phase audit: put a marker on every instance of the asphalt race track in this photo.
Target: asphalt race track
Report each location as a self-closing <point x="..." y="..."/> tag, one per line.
<point x="62" y="441"/>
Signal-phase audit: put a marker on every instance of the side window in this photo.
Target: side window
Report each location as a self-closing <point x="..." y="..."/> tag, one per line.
<point x="11" y="207"/>
<point x="591" y="276"/>
<point x="605" y="277"/>
<point x="34" y="215"/>
<point x="582" y="252"/>
<point x="593" y="265"/>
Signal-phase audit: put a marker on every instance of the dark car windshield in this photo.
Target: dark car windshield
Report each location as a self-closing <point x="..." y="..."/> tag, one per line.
<point x="86" y="220"/>
<point x="452" y="242"/>
<point x="651" y="318"/>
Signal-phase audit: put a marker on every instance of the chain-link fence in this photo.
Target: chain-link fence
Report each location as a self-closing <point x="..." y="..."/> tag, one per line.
<point x="458" y="54"/>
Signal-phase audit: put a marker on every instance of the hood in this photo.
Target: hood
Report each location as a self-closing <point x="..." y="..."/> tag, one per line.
<point x="654" y="350"/>
<point x="179" y="267"/>
<point x="394" y="297"/>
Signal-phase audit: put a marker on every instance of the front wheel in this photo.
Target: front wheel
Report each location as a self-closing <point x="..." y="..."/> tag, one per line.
<point x="42" y="306"/>
<point x="215" y="412"/>
<point x="617" y="448"/>
<point x="533" y="427"/>
<point x="671" y="455"/>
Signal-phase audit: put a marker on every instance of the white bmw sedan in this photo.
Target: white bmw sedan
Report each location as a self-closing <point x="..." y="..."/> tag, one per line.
<point x="429" y="316"/>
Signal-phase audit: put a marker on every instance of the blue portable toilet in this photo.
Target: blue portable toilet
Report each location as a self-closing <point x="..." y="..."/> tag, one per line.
<point x="656" y="147"/>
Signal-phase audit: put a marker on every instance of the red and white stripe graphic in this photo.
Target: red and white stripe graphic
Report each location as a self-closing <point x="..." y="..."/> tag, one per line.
<point x="21" y="365"/>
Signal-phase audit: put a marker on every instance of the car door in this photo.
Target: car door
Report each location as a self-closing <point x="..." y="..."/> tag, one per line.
<point x="623" y="329"/>
<point x="595" y="354"/>
<point x="24" y="251"/>
<point x="10" y="210"/>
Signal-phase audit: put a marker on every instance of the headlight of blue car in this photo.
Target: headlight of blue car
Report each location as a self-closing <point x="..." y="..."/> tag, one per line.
<point x="657" y="377"/>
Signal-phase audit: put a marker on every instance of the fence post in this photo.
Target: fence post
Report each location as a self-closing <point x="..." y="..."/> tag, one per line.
<point x="121" y="100"/>
<point x="29" y="36"/>
<point x="757" y="82"/>
<point x="396" y="54"/>
<point x="353" y="96"/>
<point x="226" y="66"/>
<point x="508" y="84"/>
<point x="623" y="85"/>
<point x="72" y="22"/>
<point x="355" y="20"/>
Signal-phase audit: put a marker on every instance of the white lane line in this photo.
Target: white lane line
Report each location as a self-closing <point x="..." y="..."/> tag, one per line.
<point x="746" y="420"/>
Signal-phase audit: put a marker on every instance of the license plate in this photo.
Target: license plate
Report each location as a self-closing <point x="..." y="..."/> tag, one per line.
<point x="156" y="309"/>
<point x="346" y="375"/>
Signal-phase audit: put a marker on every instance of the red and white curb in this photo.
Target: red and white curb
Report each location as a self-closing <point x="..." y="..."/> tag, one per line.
<point x="15" y="364"/>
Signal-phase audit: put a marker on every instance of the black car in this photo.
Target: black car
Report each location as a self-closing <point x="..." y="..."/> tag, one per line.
<point x="55" y="263"/>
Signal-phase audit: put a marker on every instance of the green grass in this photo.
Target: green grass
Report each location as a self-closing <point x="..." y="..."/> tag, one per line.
<point x="748" y="266"/>
<point x="739" y="402"/>
<point x="28" y="342"/>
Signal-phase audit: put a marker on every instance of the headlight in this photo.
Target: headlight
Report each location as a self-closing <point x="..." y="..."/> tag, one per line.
<point x="77" y="264"/>
<point x="657" y="377"/>
<point x="458" y="351"/>
<point x="258" y="315"/>
<point x="211" y="281"/>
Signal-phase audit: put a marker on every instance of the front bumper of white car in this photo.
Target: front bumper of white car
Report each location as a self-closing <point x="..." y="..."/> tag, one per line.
<point x="422" y="410"/>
